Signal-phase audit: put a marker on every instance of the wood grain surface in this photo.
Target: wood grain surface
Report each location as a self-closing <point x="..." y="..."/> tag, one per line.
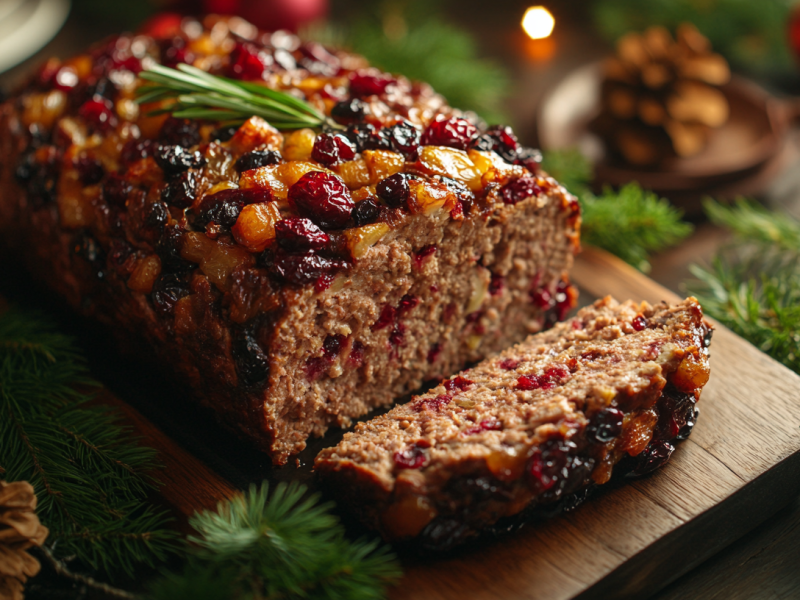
<point x="740" y="466"/>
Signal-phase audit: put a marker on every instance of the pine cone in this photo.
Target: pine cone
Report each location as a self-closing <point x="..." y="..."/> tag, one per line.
<point x="19" y="530"/>
<point x="661" y="95"/>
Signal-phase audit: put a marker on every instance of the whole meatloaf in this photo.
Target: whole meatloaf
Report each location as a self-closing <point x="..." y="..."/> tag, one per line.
<point x="530" y="427"/>
<point x="294" y="279"/>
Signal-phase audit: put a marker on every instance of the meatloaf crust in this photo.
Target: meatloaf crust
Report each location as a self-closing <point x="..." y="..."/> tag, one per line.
<point x="529" y="427"/>
<point x="293" y="279"/>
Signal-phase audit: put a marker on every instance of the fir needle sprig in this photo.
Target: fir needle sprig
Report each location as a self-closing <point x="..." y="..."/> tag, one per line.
<point x="191" y="93"/>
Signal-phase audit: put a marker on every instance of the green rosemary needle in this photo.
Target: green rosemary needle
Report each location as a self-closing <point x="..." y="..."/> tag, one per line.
<point x="200" y="95"/>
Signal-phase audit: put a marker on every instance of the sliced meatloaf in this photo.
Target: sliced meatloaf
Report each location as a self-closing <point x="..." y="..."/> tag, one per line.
<point x="530" y="426"/>
<point x="293" y="279"/>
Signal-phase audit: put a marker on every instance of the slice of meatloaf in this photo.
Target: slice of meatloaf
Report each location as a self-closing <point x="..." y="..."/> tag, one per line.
<point x="530" y="426"/>
<point x="294" y="279"/>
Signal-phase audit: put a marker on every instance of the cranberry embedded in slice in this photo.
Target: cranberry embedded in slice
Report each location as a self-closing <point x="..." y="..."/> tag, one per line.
<point x="397" y="336"/>
<point x="348" y="112"/>
<point x="298" y="234"/>
<point x="356" y="358"/>
<point x="527" y="383"/>
<point x="565" y="299"/>
<point x="639" y="323"/>
<point x="455" y="132"/>
<point x="457" y="383"/>
<point x="386" y="318"/>
<point x="496" y="284"/>
<point x="407" y="303"/>
<point x="606" y="425"/>
<point x="394" y="190"/>
<point x="98" y="113"/>
<point x="434" y="352"/>
<point x="424" y="252"/>
<point x="332" y="148"/>
<point x="369" y="82"/>
<point x="323" y="198"/>
<point x="509" y="364"/>
<point x="413" y="457"/>
<point x="521" y="189"/>
<point x="248" y="62"/>
<point x="434" y="404"/>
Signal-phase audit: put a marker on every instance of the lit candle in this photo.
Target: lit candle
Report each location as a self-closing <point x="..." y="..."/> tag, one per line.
<point x="538" y="24"/>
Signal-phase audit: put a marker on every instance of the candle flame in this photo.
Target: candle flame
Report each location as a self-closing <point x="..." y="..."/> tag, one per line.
<point x="538" y="23"/>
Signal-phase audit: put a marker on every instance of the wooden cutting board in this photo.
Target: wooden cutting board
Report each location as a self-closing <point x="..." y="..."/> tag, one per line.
<point x="741" y="464"/>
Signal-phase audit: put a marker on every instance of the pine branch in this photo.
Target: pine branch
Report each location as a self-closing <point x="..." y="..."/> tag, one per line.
<point x="88" y="472"/>
<point x="752" y="222"/>
<point x="283" y="545"/>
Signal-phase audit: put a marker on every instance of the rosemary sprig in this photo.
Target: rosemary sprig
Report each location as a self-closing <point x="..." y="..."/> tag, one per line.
<point x="192" y="93"/>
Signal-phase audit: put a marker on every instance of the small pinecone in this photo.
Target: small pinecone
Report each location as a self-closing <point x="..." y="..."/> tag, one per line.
<point x="19" y="530"/>
<point x="661" y="95"/>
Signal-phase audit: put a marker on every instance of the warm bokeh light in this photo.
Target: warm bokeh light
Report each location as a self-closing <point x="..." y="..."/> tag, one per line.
<point x="538" y="23"/>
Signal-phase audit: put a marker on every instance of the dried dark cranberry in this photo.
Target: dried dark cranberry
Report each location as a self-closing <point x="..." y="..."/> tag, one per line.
<point x="509" y="364"/>
<point x="332" y="345"/>
<point x="443" y="534"/>
<point x="407" y="303"/>
<point x="181" y="191"/>
<point x="394" y="190"/>
<point x="455" y="132"/>
<point x="366" y="136"/>
<point x="332" y="148"/>
<point x="435" y="404"/>
<point x="323" y="198"/>
<point x="302" y="269"/>
<point x="168" y="250"/>
<point x="223" y="134"/>
<point x="252" y="363"/>
<point x="501" y="140"/>
<point x="317" y="60"/>
<point x="366" y="212"/>
<point x="176" y="159"/>
<point x="676" y="414"/>
<point x="167" y="290"/>
<point x="256" y="159"/>
<point x="530" y="158"/>
<point x="180" y="132"/>
<point x="606" y="425"/>
<point x="98" y="113"/>
<point x="462" y="192"/>
<point x="298" y="234"/>
<point x="549" y="466"/>
<point x="222" y="208"/>
<point x="654" y="456"/>
<point x="118" y="253"/>
<point x="248" y="62"/>
<point x="348" y="112"/>
<point x="134" y="150"/>
<point x="521" y="189"/>
<point x="413" y="457"/>
<point x="639" y="323"/>
<point x="89" y="170"/>
<point x="457" y="383"/>
<point x="405" y="139"/>
<point x="369" y="83"/>
<point x="386" y="318"/>
<point x="156" y="216"/>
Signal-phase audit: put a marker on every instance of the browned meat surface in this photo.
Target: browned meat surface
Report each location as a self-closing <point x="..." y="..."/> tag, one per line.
<point x="293" y="279"/>
<point x="530" y="426"/>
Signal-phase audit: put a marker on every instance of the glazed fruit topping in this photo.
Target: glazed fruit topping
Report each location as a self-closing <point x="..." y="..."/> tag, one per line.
<point x="317" y="60"/>
<point x="256" y="159"/>
<point x="458" y="383"/>
<point x="405" y="139"/>
<point x="248" y="62"/>
<point x="366" y="212"/>
<point x="252" y="363"/>
<point x="223" y="208"/>
<point x="297" y="234"/>
<point x="348" y="112"/>
<point x="677" y="414"/>
<point x="302" y="269"/>
<point x="639" y="323"/>
<point x="176" y="159"/>
<point x="413" y="457"/>
<point x="89" y="170"/>
<point x="179" y="132"/>
<point x="435" y="404"/>
<point x="366" y="136"/>
<point x="454" y="132"/>
<point x="167" y="290"/>
<point x="606" y="425"/>
<point x="520" y="189"/>
<point x="116" y="190"/>
<point x="530" y="158"/>
<point x="181" y="190"/>
<point x="98" y="113"/>
<point x="656" y="455"/>
<point x="332" y="148"/>
<point x="134" y="150"/>
<point x="369" y="82"/>
<point x="394" y="190"/>
<point x="501" y="140"/>
<point x="323" y="198"/>
<point x="168" y="250"/>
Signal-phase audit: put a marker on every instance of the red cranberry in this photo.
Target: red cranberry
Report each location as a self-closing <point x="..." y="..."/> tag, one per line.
<point x="369" y="82"/>
<point x="366" y="212"/>
<point x="356" y="357"/>
<point x="521" y="189"/>
<point x="542" y="298"/>
<point x="348" y="112"/>
<point x="180" y="132"/>
<point x="366" y="136"/>
<point x="564" y="299"/>
<point x="491" y="424"/>
<point x="296" y="233"/>
<point x="457" y="383"/>
<point x="176" y="159"/>
<point x="387" y="317"/>
<point x="405" y="139"/>
<point x="455" y="132"/>
<point x="323" y="198"/>
<point x="332" y="148"/>
<point x="407" y="303"/>
<point x="529" y="158"/>
<point x="302" y="269"/>
<point x="323" y="282"/>
<point x="181" y="190"/>
<point x="639" y="323"/>
<point x="424" y="252"/>
<point x="397" y="336"/>
<point x="527" y="383"/>
<point x="434" y="404"/>
<point x="394" y="190"/>
<point x="656" y="455"/>
<point x="89" y="170"/>
<point x="413" y="457"/>
<point x="248" y="62"/>
<point x="98" y="113"/>
<point x="65" y="79"/>
<point x="606" y="425"/>
<point x="434" y="352"/>
<point x="496" y="284"/>
<point x="256" y="159"/>
<point x="509" y="364"/>
<point x="501" y="140"/>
